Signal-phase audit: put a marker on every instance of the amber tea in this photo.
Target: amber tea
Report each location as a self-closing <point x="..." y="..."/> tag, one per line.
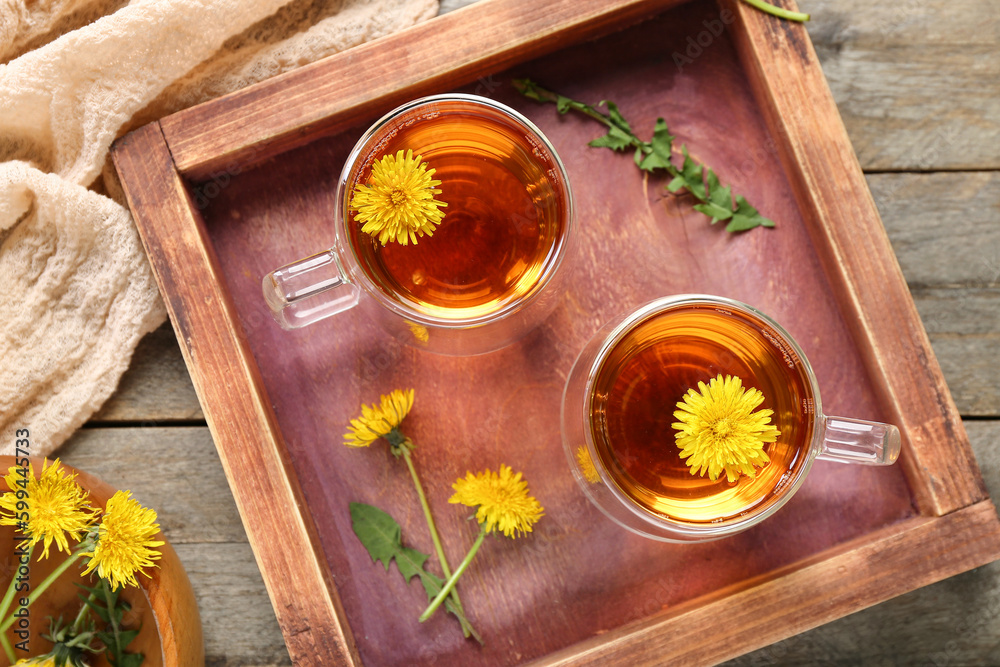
<point x="504" y="221"/>
<point x="621" y="403"/>
<point x="645" y="374"/>
<point x="489" y="273"/>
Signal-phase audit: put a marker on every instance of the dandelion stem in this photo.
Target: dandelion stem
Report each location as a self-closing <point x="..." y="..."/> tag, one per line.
<point x="78" y="623"/>
<point x="777" y="11"/>
<point x="42" y="587"/>
<point x="7" y="648"/>
<point x="433" y="530"/>
<point x="450" y="584"/>
<point x="9" y="595"/>
<point x="118" y="648"/>
<point x="427" y="513"/>
<point x="533" y="91"/>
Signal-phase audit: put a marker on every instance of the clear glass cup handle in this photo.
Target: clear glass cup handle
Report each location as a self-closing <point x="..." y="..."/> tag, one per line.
<point x="308" y="290"/>
<point x="859" y="441"/>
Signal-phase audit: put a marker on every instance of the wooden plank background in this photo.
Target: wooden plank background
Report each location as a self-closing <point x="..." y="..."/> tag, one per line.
<point x="918" y="85"/>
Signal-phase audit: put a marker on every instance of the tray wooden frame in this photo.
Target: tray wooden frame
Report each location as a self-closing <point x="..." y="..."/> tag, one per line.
<point x="957" y="527"/>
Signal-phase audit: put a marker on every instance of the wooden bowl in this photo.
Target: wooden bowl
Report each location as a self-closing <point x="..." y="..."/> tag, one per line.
<point x="164" y="605"/>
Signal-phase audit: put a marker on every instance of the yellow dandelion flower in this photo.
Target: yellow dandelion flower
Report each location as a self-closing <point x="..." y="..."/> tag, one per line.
<point x="380" y="420"/>
<point x="398" y="201"/>
<point x="503" y="500"/>
<point x="419" y="332"/>
<point x="587" y="466"/>
<point x="719" y="431"/>
<point x="125" y="541"/>
<point x="56" y="506"/>
<point x="40" y="661"/>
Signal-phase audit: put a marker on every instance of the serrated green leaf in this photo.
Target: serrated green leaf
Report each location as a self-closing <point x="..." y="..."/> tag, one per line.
<point x="125" y="637"/>
<point x="741" y="223"/>
<point x="615" y="116"/>
<point x="410" y="562"/>
<point x="693" y="176"/>
<point x="651" y="162"/>
<point x="718" y="195"/>
<point x="640" y="153"/>
<point x="676" y="184"/>
<point x="91" y="590"/>
<point x="711" y="180"/>
<point x="615" y="139"/>
<point x="108" y="605"/>
<point x="112" y="596"/>
<point x="529" y="89"/>
<point x="746" y="217"/>
<point x="99" y="609"/>
<point x="120" y="608"/>
<point x="721" y="197"/>
<point x="743" y="207"/>
<point x="660" y="148"/>
<point x="432" y="584"/>
<point x="128" y="660"/>
<point x="713" y="211"/>
<point x="715" y="200"/>
<point x="719" y="204"/>
<point x="382" y="537"/>
<point x="694" y="183"/>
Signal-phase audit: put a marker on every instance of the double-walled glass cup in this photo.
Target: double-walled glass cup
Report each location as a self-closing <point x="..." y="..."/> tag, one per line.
<point x="487" y="274"/>
<point x="619" y="421"/>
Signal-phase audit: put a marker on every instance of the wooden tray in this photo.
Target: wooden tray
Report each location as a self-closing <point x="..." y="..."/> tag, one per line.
<point x="228" y="190"/>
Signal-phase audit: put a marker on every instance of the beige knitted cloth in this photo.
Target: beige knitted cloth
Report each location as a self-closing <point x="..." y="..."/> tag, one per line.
<point x="76" y="291"/>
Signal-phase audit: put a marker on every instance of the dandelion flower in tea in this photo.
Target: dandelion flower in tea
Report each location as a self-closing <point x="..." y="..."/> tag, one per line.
<point x="587" y="466"/>
<point x="419" y="331"/>
<point x="398" y="201"/>
<point x="718" y="430"/>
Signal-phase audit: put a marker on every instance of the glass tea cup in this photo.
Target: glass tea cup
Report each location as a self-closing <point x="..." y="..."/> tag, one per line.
<point x="618" y="416"/>
<point x="488" y="273"/>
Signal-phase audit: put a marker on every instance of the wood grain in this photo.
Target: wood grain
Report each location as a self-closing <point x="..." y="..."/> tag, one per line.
<point x="758" y="612"/>
<point x="917" y="82"/>
<point x="960" y="322"/>
<point x="226" y="380"/>
<point x="943" y="227"/>
<point x="953" y="620"/>
<point x="177" y="471"/>
<point x="173" y="469"/>
<point x="943" y="233"/>
<point x="829" y="185"/>
<point x="242" y="218"/>
<point x="157" y="388"/>
<point x="237" y="618"/>
<point x="220" y="138"/>
<point x="269" y="216"/>
<point x="964" y="327"/>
